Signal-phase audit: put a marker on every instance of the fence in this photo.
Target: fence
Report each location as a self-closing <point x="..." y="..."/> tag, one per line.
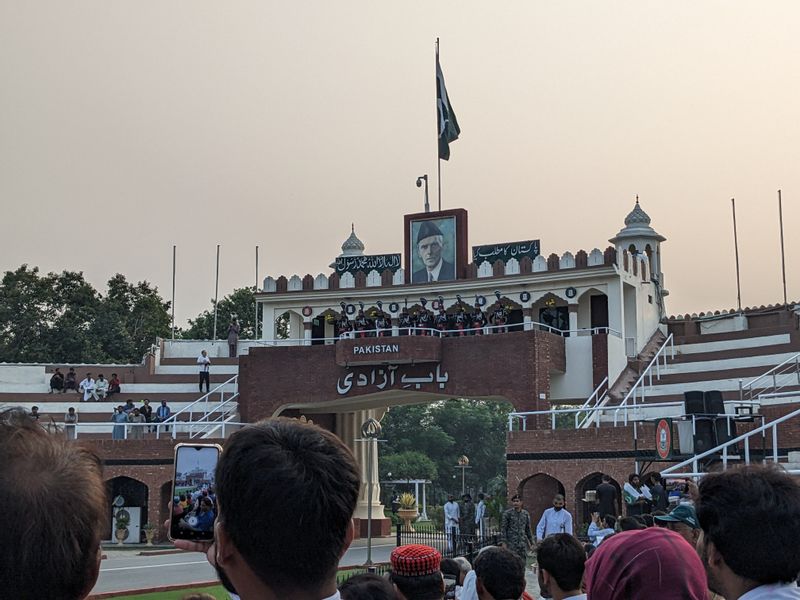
<point x="450" y="545"/>
<point x="345" y="573"/>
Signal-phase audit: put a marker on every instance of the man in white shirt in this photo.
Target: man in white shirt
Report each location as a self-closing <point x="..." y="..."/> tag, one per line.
<point x="750" y="519"/>
<point x="101" y="386"/>
<point x="480" y="512"/>
<point x="554" y="520"/>
<point x="561" y="564"/>
<point x="205" y="366"/>
<point x="88" y="388"/>
<point x="452" y="519"/>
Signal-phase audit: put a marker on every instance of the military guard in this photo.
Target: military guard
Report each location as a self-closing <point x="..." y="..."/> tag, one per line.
<point x="441" y="321"/>
<point x="382" y="322"/>
<point x="362" y="322"/>
<point x="515" y="529"/>
<point x="343" y="324"/>
<point x="500" y="315"/>
<point x="424" y="319"/>
<point x="477" y="319"/>
<point x="405" y="321"/>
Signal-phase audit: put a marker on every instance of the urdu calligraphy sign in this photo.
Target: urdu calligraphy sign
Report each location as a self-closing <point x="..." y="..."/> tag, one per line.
<point x="374" y="262"/>
<point x="505" y="251"/>
<point x="388" y="377"/>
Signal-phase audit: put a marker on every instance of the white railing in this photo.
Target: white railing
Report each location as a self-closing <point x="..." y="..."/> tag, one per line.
<point x="598" y="398"/>
<point x="395" y="331"/>
<point x="639" y="390"/>
<point x="774" y="380"/>
<point x="148" y="431"/>
<point x="205" y="400"/>
<point x="694" y="462"/>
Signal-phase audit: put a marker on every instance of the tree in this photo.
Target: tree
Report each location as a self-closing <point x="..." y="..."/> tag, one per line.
<point x="407" y="465"/>
<point x="240" y="304"/>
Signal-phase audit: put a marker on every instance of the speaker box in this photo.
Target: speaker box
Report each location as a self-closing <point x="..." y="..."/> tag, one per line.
<point x="694" y="403"/>
<point x="714" y="403"/>
<point x="704" y="435"/>
<point x="721" y="431"/>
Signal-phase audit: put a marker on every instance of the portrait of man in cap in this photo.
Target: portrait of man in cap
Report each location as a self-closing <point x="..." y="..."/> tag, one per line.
<point x="433" y="251"/>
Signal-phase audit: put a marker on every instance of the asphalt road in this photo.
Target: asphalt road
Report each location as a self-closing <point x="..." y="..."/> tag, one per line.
<point x="126" y="570"/>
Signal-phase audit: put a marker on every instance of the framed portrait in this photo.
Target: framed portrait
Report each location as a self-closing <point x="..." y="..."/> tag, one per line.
<point x="435" y="245"/>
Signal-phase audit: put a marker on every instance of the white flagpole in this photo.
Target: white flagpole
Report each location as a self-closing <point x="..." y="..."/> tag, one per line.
<point x="255" y="326"/>
<point x="216" y="295"/>
<point x="173" y="290"/>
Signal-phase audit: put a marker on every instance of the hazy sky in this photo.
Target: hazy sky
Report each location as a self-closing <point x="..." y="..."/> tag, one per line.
<point x="127" y="127"/>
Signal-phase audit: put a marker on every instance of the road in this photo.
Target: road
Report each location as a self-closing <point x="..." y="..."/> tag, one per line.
<point x="126" y="570"/>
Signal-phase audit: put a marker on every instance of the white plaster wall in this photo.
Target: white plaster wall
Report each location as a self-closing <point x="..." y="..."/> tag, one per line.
<point x="617" y="361"/>
<point x="267" y="322"/>
<point x="192" y="348"/>
<point x="733" y="323"/>
<point x="576" y="382"/>
<point x="23" y="378"/>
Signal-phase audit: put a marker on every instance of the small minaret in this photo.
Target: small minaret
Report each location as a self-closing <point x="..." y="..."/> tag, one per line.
<point x="352" y="246"/>
<point x="638" y="237"/>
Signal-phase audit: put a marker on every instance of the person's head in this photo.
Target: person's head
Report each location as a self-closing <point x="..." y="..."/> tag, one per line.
<point x="72" y="369"/>
<point x="120" y="408"/>
<point x="651" y="563"/>
<point x="163" y="403"/>
<point x="71" y="410"/>
<point x="750" y="519"/>
<point x="129" y="402"/>
<point x="367" y="586"/>
<point x="630" y="524"/>
<point x="146" y="402"/>
<point x="450" y="570"/>
<point x="558" y="502"/>
<point x="610" y="521"/>
<point x="305" y="483"/>
<point x="481" y="496"/>
<point x="100" y="376"/>
<point x="206" y="504"/>
<point x="464" y="568"/>
<point x="430" y="242"/>
<point x="88" y="376"/>
<point x="48" y="553"/>
<point x="451" y="498"/>
<point x="34" y="409"/>
<point x="647" y="519"/>
<point x="58" y="370"/>
<point x="655" y="478"/>
<point x="633" y="479"/>
<point x="466" y="498"/>
<point x="135" y="412"/>
<point x="499" y="574"/>
<point x="605" y="478"/>
<point x="516" y="502"/>
<point x="204" y="353"/>
<point x="561" y="562"/>
<point x="415" y="572"/>
<point x="683" y="521"/>
<point x="113" y="376"/>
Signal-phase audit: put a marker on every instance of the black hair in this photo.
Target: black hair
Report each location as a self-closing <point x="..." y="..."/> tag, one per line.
<point x="501" y="572"/>
<point x="630" y="524"/>
<point x="632" y="476"/>
<point x="367" y="586"/>
<point x="752" y="515"/>
<point x="515" y="497"/>
<point x="648" y="519"/>
<point x="610" y="521"/>
<point x="605" y="477"/>
<point x="419" y="587"/>
<point x="450" y="567"/>
<point x="305" y="483"/>
<point x="564" y="558"/>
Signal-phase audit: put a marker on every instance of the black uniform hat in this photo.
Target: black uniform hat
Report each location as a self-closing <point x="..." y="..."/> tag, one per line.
<point x="428" y="229"/>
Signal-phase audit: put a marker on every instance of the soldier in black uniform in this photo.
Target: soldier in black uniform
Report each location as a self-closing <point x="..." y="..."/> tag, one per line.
<point x="500" y="318"/>
<point x="461" y="321"/>
<point x="405" y="322"/>
<point x="362" y="323"/>
<point x="477" y="320"/>
<point x="383" y="323"/>
<point x="441" y="321"/>
<point x="424" y="320"/>
<point x="343" y="325"/>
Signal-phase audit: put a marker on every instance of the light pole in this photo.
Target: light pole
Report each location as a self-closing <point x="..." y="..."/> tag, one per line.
<point x="463" y="464"/>
<point x="370" y="432"/>
<point x="420" y="180"/>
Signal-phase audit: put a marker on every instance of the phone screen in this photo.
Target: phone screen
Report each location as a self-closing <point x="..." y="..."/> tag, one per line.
<point x="194" y="500"/>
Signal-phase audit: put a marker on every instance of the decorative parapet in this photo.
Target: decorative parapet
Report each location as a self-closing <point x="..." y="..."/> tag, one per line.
<point x="485" y="269"/>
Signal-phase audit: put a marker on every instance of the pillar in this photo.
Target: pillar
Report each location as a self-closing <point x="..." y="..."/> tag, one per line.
<point x="307" y="331"/>
<point x="348" y="428"/>
<point x="527" y="318"/>
<point x="573" y="317"/>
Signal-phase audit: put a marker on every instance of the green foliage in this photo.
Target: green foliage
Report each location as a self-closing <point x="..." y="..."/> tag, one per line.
<point x="443" y="431"/>
<point x="407" y="465"/>
<point x="62" y="318"/>
<point x="240" y="304"/>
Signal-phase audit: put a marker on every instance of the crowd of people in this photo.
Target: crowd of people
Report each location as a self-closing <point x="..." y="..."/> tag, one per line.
<point x="275" y="538"/>
<point x="194" y="509"/>
<point x="91" y="389"/>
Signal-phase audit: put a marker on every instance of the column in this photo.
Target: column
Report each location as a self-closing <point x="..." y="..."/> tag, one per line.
<point x="348" y="428"/>
<point x="573" y="317"/>
<point x="307" y="331"/>
<point x="527" y="318"/>
<point x="267" y="322"/>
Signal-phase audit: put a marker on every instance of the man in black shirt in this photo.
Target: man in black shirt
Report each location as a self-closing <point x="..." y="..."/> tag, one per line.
<point x="606" y="497"/>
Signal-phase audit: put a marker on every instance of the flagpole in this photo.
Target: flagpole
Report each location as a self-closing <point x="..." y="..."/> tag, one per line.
<point x="438" y="158"/>
<point x="216" y="295"/>
<point x="255" y="327"/>
<point x="173" y="290"/>
<point x="783" y="255"/>
<point x="736" y="247"/>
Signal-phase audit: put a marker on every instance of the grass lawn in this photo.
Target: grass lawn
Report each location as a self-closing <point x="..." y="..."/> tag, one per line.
<point x="217" y="591"/>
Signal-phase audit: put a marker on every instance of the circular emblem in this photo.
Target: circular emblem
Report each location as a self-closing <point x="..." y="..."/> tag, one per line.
<point x="525" y="296"/>
<point x="192" y="521"/>
<point x="571" y="292"/>
<point x="351" y="309"/>
<point x="480" y="300"/>
<point x="307" y="311"/>
<point x="394" y="307"/>
<point x="663" y="439"/>
<point x="435" y="305"/>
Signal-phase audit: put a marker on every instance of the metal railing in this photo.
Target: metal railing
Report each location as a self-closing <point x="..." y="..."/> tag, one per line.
<point x="396" y="331"/>
<point x="744" y="439"/>
<point x="645" y="381"/>
<point x="143" y="431"/>
<point x="205" y="399"/>
<point x="450" y="544"/>
<point x="598" y="398"/>
<point x="778" y="377"/>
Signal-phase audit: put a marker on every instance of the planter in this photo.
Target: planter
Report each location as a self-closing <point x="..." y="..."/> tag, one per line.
<point x="121" y="535"/>
<point x="149" y="535"/>
<point x="407" y="515"/>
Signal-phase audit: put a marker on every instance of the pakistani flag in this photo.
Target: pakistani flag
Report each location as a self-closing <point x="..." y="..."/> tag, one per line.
<point x="448" y="125"/>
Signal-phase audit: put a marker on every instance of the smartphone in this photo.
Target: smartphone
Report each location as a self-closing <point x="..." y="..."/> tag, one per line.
<point x="194" y="498"/>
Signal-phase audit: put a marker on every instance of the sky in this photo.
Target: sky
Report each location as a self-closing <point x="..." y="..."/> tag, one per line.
<point x="127" y="127"/>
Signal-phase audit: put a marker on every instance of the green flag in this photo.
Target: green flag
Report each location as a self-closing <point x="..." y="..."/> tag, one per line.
<point x="448" y="125"/>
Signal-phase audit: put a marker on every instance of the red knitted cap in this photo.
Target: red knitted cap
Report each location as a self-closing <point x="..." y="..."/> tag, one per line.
<point x="415" y="560"/>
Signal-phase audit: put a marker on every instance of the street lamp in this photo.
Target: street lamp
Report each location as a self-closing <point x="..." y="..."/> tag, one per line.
<point x="420" y="180"/>
<point x="463" y="464"/>
<point x="370" y="432"/>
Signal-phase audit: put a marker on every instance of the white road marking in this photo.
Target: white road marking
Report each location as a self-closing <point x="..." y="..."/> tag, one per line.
<point x="153" y="566"/>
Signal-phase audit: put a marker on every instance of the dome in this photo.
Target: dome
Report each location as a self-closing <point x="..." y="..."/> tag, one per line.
<point x="637" y="225"/>
<point x="352" y="246"/>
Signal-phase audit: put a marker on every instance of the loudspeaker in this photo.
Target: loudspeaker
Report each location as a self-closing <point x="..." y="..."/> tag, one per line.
<point x="704" y="435"/>
<point x="694" y="403"/>
<point x="714" y="403"/>
<point x="721" y="431"/>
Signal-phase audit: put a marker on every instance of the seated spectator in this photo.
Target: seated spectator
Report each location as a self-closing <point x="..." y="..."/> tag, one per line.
<point x="415" y="573"/>
<point x="367" y="586"/>
<point x="113" y="385"/>
<point x="48" y="554"/>
<point x="683" y="521"/>
<point x="101" y="386"/>
<point x="70" y="381"/>
<point x="129" y="406"/>
<point x="137" y="418"/>
<point x="162" y="414"/>
<point x="70" y="423"/>
<point x="57" y="381"/>
<point x="499" y="574"/>
<point x="750" y="518"/>
<point x="652" y="563"/>
<point x="600" y="528"/>
<point x="35" y="413"/>
<point x="87" y="387"/>
<point x="561" y="563"/>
